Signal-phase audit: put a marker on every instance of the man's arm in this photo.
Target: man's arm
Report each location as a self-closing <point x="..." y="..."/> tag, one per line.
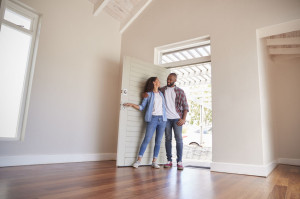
<point x="182" y="120"/>
<point x="185" y="110"/>
<point x="144" y="95"/>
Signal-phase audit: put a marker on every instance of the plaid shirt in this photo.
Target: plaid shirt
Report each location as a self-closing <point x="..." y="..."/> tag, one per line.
<point x="180" y="100"/>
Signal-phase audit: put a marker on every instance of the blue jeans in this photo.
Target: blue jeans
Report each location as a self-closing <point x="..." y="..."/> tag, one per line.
<point x="171" y="124"/>
<point x="159" y="125"/>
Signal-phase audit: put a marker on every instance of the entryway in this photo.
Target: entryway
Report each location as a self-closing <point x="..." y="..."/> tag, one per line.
<point x="191" y="61"/>
<point x="195" y="80"/>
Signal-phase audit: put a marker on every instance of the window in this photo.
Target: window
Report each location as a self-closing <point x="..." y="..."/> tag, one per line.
<point x="17" y="49"/>
<point x="183" y="53"/>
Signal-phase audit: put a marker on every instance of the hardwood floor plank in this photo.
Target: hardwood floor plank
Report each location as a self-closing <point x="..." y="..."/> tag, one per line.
<point x="278" y="192"/>
<point x="103" y="180"/>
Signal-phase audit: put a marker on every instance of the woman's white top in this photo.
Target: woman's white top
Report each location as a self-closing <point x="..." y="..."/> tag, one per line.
<point x="157" y="106"/>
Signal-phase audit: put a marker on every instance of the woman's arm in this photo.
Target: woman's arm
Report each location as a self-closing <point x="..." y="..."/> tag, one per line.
<point x="132" y="105"/>
<point x="138" y="107"/>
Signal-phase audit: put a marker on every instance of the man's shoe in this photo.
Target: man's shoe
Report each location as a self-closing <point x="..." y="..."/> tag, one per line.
<point x="168" y="165"/>
<point x="180" y="166"/>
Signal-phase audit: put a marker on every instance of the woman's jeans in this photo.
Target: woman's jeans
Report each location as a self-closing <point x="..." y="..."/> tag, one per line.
<point x="171" y="123"/>
<point x="159" y="125"/>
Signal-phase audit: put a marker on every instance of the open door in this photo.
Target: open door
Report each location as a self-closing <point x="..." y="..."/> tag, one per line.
<point x="131" y="122"/>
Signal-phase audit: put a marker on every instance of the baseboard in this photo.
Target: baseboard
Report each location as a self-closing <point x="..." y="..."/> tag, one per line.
<point x="6" y="161"/>
<point x="289" y="161"/>
<point x="245" y="169"/>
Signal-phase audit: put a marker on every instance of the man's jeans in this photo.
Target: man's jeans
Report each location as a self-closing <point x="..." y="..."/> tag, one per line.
<point x="171" y="124"/>
<point x="159" y="125"/>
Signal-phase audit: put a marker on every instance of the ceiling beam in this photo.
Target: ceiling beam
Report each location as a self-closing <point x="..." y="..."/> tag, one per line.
<point x="134" y="14"/>
<point x="284" y="51"/>
<point x="99" y="6"/>
<point x="283" y="41"/>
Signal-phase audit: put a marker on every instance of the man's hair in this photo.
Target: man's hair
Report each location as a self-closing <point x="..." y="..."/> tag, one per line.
<point x="174" y="74"/>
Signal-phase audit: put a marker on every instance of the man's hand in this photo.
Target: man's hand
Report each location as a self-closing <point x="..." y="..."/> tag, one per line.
<point x="144" y="95"/>
<point x="181" y="122"/>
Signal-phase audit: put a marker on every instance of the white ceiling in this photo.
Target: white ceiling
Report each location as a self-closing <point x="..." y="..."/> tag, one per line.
<point x="125" y="11"/>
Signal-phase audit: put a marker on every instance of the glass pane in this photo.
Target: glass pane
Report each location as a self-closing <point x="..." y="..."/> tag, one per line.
<point x="17" y="19"/>
<point x="14" y="53"/>
<point x="202" y="51"/>
<point x="195" y="53"/>
<point x="187" y="55"/>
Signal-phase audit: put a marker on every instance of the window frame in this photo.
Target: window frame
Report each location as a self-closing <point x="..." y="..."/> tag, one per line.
<point x="34" y="32"/>
<point x="200" y="41"/>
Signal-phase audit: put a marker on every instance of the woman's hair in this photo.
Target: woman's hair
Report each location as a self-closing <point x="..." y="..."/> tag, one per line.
<point x="149" y="84"/>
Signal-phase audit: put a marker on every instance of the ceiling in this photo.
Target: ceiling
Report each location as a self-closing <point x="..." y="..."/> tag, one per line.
<point x="125" y="11"/>
<point x="284" y="44"/>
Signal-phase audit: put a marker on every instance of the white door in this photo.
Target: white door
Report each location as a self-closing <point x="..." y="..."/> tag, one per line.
<point x="131" y="122"/>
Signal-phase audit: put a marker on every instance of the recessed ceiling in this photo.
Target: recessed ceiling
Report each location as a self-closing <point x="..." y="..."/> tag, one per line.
<point x="125" y="11"/>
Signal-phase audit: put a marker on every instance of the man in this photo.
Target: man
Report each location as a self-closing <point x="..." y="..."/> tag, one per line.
<point x="176" y="111"/>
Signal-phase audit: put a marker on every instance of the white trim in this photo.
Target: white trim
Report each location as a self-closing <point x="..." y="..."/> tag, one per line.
<point x="6" y="161"/>
<point x="133" y="16"/>
<point x="158" y="51"/>
<point x="30" y="77"/>
<point x="278" y="29"/>
<point x="289" y="161"/>
<point x="16" y="27"/>
<point x="246" y="169"/>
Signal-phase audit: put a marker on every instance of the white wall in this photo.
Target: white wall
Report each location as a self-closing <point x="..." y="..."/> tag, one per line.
<point x="279" y="77"/>
<point x="285" y="78"/>
<point x="74" y="100"/>
<point x="237" y="129"/>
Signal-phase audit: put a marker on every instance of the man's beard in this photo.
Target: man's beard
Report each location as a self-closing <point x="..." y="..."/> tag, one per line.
<point x="171" y="84"/>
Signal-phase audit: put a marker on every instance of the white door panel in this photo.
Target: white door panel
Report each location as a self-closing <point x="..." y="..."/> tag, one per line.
<point x="132" y="126"/>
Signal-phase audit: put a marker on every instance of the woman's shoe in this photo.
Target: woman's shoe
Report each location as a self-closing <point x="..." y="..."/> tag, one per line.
<point x="136" y="164"/>
<point x="155" y="165"/>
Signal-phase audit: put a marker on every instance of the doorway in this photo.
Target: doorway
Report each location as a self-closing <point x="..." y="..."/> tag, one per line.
<point x="195" y="80"/>
<point x="191" y="61"/>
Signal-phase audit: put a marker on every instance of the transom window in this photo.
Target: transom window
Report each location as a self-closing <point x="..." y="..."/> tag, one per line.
<point x="185" y="54"/>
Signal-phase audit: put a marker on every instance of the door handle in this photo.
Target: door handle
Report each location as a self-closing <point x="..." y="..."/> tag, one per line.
<point x="122" y="107"/>
<point x="124" y="91"/>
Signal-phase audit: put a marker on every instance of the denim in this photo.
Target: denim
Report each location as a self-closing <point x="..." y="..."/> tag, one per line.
<point x="149" y="102"/>
<point x="171" y="124"/>
<point x="159" y="125"/>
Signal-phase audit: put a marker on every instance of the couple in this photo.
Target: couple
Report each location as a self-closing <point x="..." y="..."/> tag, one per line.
<point x="166" y="110"/>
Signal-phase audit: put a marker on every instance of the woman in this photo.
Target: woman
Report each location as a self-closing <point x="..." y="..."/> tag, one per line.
<point x="155" y="117"/>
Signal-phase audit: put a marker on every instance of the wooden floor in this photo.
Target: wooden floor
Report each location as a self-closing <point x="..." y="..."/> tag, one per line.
<point x="104" y="180"/>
